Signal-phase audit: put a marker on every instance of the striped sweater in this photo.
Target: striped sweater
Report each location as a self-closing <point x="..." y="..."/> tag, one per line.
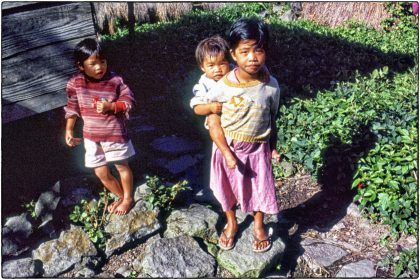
<point x="247" y="107"/>
<point x="81" y="95"/>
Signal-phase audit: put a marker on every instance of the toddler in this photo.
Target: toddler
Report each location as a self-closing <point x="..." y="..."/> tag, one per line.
<point x="211" y="56"/>
<point x="103" y="101"/>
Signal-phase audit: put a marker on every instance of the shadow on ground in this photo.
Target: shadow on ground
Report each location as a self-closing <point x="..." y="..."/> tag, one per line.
<point x="328" y="206"/>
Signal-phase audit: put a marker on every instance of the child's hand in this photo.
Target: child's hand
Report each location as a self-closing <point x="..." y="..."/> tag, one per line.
<point x="103" y="107"/>
<point x="71" y="141"/>
<point x="275" y="155"/>
<point x="216" y="107"/>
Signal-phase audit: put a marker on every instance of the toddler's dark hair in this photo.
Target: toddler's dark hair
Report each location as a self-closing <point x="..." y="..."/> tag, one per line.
<point x="86" y="48"/>
<point x="248" y="29"/>
<point x="212" y="47"/>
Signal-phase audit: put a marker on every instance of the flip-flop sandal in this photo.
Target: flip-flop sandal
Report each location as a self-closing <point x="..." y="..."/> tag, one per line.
<point x="228" y="238"/>
<point x="259" y="241"/>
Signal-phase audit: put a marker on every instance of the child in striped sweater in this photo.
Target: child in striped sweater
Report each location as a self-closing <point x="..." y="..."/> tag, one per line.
<point x="250" y="98"/>
<point x="103" y="101"/>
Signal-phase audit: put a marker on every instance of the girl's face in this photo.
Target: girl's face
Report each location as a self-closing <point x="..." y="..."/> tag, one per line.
<point x="249" y="57"/>
<point x="215" y="67"/>
<point x="94" y="67"/>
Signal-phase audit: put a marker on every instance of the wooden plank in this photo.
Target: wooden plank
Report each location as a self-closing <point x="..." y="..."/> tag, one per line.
<point x="37" y="55"/>
<point x="10" y="5"/>
<point x="33" y="29"/>
<point x="37" y="72"/>
<point x="32" y="106"/>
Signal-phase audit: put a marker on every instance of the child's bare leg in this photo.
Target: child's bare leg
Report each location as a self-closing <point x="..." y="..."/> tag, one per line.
<point x="227" y="238"/>
<point x="127" y="185"/>
<point x="218" y="137"/>
<point x="110" y="183"/>
<point x="259" y="231"/>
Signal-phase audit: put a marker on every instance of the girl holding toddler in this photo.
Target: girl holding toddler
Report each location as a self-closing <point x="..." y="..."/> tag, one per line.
<point x="250" y="98"/>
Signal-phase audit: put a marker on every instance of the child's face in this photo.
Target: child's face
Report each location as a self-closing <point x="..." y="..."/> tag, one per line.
<point x="94" y="66"/>
<point x="249" y="57"/>
<point x="215" y="67"/>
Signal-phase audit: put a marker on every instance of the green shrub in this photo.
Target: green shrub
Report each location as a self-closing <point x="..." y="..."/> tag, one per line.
<point x="161" y="195"/>
<point x="91" y="215"/>
<point x="404" y="265"/>
<point x="384" y="100"/>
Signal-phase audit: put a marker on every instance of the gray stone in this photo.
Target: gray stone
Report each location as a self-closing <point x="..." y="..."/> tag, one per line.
<point x="140" y="192"/>
<point x="135" y="225"/>
<point x="18" y="225"/>
<point x="361" y="269"/>
<point x="47" y="204"/>
<point x="85" y="272"/>
<point x="76" y="195"/>
<point x="318" y="254"/>
<point x="175" y="145"/>
<point x="10" y="247"/>
<point x="124" y="271"/>
<point x="180" y="164"/>
<point x="179" y="257"/>
<point x="243" y="262"/>
<point x="60" y="255"/>
<point x="196" y="221"/>
<point x="177" y="165"/>
<point x="15" y="234"/>
<point x="137" y="263"/>
<point x="407" y="242"/>
<point x="353" y="210"/>
<point x="21" y="268"/>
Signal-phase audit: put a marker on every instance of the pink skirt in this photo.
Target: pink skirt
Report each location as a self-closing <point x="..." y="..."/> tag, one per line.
<point x="250" y="184"/>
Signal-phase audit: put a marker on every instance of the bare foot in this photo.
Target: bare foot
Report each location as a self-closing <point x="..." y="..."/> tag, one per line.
<point x="230" y="159"/>
<point x="124" y="206"/>
<point x="111" y="208"/>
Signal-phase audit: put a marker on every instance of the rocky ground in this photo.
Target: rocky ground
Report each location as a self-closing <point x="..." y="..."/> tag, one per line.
<point x="349" y="231"/>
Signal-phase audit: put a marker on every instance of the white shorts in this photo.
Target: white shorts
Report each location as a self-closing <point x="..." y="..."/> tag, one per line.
<point x="100" y="153"/>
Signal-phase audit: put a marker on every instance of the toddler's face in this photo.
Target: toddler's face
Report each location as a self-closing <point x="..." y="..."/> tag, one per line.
<point x="95" y="66"/>
<point x="215" y="67"/>
<point x="249" y="57"/>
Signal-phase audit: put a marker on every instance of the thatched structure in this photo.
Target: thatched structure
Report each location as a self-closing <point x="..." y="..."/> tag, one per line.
<point x="107" y="12"/>
<point x="336" y="13"/>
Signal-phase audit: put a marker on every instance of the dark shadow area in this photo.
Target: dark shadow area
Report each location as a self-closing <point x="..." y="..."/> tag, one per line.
<point x="307" y="62"/>
<point x="34" y="157"/>
<point x="323" y="210"/>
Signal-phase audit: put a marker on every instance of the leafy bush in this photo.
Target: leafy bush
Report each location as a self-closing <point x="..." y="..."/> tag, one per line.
<point x="384" y="101"/>
<point x="404" y="265"/>
<point x="91" y="215"/>
<point x="161" y="195"/>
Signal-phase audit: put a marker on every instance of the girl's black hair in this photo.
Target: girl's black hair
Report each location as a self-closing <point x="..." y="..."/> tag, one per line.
<point x="86" y="48"/>
<point x="248" y="29"/>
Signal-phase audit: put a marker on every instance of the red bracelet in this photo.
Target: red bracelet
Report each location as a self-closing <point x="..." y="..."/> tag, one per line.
<point x="119" y="107"/>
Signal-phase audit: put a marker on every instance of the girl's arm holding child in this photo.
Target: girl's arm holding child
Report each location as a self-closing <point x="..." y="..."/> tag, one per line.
<point x="206" y="109"/>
